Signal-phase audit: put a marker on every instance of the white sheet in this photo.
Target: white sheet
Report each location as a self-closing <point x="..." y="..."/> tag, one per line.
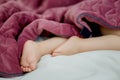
<point x="94" y="65"/>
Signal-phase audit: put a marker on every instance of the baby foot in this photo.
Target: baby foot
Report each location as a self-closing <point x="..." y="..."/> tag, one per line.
<point x="70" y="47"/>
<point x="32" y="52"/>
<point x="30" y="56"/>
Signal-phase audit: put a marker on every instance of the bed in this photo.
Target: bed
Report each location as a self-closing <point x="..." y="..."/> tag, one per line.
<point x="93" y="65"/>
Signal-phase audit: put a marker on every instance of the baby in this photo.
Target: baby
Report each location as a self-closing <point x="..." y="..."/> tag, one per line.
<point x="55" y="46"/>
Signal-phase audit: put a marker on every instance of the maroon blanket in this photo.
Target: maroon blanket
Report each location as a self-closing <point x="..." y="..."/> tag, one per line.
<point x="19" y="23"/>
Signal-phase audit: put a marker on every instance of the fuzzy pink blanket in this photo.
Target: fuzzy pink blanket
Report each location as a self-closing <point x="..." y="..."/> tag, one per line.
<point x="22" y="20"/>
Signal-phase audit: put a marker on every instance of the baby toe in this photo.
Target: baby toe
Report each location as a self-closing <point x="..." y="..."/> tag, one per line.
<point x="33" y="66"/>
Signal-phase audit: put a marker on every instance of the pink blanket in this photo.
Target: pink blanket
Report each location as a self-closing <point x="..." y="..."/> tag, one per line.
<point x="22" y="20"/>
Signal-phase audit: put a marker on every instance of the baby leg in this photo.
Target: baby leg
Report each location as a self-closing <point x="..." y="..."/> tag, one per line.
<point x="72" y="46"/>
<point x="33" y="51"/>
<point x="76" y="45"/>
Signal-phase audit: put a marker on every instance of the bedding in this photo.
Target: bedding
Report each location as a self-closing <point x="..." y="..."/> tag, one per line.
<point x="93" y="65"/>
<point x="66" y="18"/>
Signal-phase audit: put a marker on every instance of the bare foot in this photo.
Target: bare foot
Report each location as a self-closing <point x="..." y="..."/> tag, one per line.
<point x="30" y="56"/>
<point x="32" y="52"/>
<point x="70" y="47"/>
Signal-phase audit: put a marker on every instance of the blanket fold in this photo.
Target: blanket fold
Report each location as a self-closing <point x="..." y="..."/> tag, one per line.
<point x="35" y="29"/>
<point x="10" y="31"/>
<point x="9" y="61"/>
<point x="7" y="9"/>
<point x="95" y="11"/>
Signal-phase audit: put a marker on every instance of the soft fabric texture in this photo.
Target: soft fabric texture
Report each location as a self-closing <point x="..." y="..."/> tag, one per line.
<point x="19" y="23"/>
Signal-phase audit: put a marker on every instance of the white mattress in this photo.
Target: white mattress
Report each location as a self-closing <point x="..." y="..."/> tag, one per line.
<point x="94" y="65"/>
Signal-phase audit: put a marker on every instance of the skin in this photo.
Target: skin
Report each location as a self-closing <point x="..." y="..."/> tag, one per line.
<point x="109" y="41"/>
<point x="33" y="51"/>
